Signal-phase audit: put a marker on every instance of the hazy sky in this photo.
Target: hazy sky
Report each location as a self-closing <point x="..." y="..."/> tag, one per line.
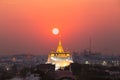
<point x="25" y="25"/>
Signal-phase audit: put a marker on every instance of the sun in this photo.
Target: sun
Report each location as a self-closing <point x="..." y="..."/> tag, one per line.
<point x="55" y="31"/>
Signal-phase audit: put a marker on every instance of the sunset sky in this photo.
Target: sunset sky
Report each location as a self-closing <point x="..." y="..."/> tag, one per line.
<point x="26" y="25"/>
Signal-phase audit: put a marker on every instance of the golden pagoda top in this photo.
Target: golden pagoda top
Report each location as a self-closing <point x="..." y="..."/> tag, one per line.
<point x="60" y="48"/>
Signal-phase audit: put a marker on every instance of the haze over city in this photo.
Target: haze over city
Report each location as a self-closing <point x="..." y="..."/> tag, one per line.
<point x="26" y="25"/>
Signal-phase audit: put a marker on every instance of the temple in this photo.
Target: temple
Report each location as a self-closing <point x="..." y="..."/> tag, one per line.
<point x="60" y="58"/>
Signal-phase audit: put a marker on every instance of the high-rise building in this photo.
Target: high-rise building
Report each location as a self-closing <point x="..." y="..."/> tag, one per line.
<point x="60" y="58"/>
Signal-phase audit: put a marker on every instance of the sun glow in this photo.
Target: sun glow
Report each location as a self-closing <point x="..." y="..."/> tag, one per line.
<point x="55" y="31"/>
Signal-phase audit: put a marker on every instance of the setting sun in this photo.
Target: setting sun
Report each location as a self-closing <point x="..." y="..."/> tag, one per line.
<point x="55" y="31"/>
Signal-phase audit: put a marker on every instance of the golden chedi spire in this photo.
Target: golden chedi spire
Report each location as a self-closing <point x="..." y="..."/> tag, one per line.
<point x="60" y="48"/>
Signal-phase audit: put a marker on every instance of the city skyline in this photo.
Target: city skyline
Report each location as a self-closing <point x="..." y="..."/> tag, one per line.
<point x="26" y="25"/>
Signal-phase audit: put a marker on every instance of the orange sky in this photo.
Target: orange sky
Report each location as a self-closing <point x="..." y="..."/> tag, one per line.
<point x="25" y="25"/>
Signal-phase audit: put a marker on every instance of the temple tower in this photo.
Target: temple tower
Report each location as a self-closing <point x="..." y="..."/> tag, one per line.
<point x="60" y="58"/>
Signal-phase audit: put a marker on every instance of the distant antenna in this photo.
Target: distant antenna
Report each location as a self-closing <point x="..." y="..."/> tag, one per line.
<point x="90" y="45"/>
